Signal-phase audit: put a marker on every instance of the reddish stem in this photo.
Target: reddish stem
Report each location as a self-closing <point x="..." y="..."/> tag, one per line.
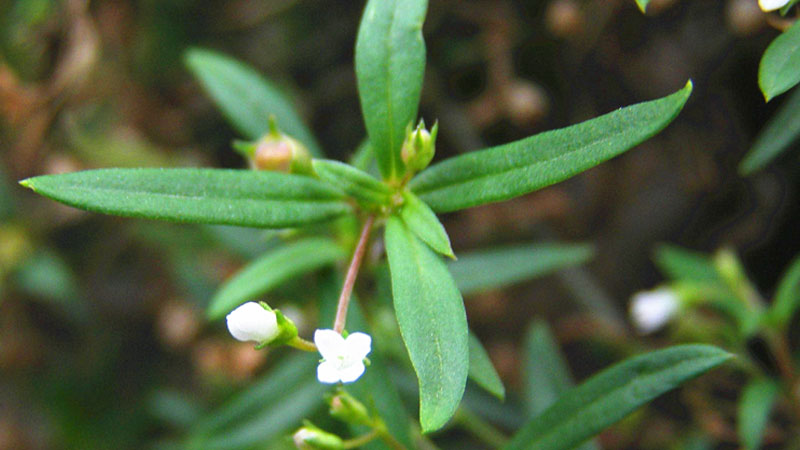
<point x="352" y="273"/>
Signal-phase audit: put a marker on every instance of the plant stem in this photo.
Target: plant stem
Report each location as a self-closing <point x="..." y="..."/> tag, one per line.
<point x="361" y="440"/>
<point x="480" y="428"/>
<point x="388" y="438"/>
<point x="302" y="344"/>
<point x="352" y="273"/>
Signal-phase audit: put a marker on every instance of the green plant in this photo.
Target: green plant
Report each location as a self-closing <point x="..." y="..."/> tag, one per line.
<point x="335" y="208"/>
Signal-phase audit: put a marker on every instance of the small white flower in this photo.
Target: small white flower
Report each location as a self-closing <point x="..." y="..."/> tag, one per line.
<point x="302" y="436"/>
<point x="651" y="310"/>
<point x="342" y="359"/>
<point x="772" y="5"/>
<point x="252" y="322"/>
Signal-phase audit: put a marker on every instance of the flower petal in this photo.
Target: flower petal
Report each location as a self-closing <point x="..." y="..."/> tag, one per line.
<point x="327" y="373"/>
<point x="358" y="345"/>
<point x="329" y="343"/>
<point x="772" y="5"/>
<point x="352" y="372"/>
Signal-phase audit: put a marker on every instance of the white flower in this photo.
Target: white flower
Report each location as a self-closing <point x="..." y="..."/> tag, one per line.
<point x="253" y="322"/>
<point x="343" y="359"/>
<point x="772" y="5"/>
<point x="651" y="310"/>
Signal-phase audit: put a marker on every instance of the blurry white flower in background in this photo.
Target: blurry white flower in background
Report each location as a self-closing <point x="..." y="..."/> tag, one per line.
<point x="651" y="310"/>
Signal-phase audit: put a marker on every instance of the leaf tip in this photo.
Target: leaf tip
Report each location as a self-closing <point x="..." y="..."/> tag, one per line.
<point x="28" y="183"/>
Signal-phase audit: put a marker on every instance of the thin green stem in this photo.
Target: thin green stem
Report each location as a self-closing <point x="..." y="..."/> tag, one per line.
<point x="361" y="440"/>
<point x="302" y="344"/>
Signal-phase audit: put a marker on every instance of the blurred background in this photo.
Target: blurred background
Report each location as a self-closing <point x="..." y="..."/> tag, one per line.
<point x="103" y="341"/>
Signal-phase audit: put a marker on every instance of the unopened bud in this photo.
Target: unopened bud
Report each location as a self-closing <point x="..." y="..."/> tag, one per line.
<point x="419" y="147"/>
<point x="259" y="323"/>
<point x="651" y="310"/>
<point x="276" y="152"/>
<point x="309" y="437"/>
<point x="347" y="408"/>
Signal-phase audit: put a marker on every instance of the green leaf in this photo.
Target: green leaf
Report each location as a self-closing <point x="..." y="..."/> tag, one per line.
<point x="423" y="222"/>
<point x="785" y="8"/>
<point x="777" y="136"/>
<point x="501" y="266"/>
<point x="787" y="296"/>
<point x="246" y="98"/>
<point x="755" y="406"/>
<point x="481" y="370"/>
<point x="614" y="393"/>
<point x="273" y="269"/>
<point x="546" y="373"/>
<point x="390" y="63"/>
<point x="360" y="185"/>
<point x="514" y="169"/>
<point x="215" y="196"/>
<point x="547" y="376"/>
<point x="642" y="4"/>
<point x="432" y="321"/>
<point x="779" y="70"/>
<point x="680" y="264"/>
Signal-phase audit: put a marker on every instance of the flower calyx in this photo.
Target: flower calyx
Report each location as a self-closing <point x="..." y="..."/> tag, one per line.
<point x="277" y="152"/>
<point x="347" y="408"/>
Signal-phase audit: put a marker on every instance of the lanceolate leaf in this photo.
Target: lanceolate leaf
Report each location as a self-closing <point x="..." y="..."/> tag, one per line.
<point x="787" y="295"/>
<point x="514" y="169"/>
<point x="481" y="370"/>
<point x="423" y="222"/>
<point x="501" y="266"/>
<point x="681" y="264"/>
<point x="271" y="270"/>
<point x="214" y="196"/>
<point x="614" y="393"/>
<point x="360" y="185"/>
<point x="754" y="409"/>
<point x="246" y="98"/>
<point x="779" y="70"/>
<point x="546" y="373"/>
<point x="432" y="321"/>
<point x="777" y="136"/>
<point x="390" y="63"/>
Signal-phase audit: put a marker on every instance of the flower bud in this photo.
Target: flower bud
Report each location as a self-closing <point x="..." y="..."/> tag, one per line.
<point x="419" y="147"/>
<point x="771" y="5"/>
<point x="276" y="152"/>
<point x="310" y="437"/>
<point x="651" y="310"/>
<point x="347" y="408"/>
<point x="253" y="322"/>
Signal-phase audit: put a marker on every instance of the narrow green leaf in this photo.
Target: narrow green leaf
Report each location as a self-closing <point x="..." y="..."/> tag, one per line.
<point x="785" y="8"/>
<point x="547" y="376"/>
<point x="501" y="266"/>
<point x="265" y="426"/>
<point x="685" y="265"/>
<point x="481" y="369"/>
<point x="614" y="393"/>
<point x="777" y="136"/>
<point x="779" y="70"/>
<point x="514" y="169"/>
<point x="273" y="269"/>
<point x="642" y="4"/>
<point x="246" y="98"/>
<point x="214" y="196"/>
<point x="288" y="374"/>
<point x="361" y="185"/>
<point x="546" y="373"/>
<point x="422" y="221"/>
<point x="787" y="295"/>
<point x="755" y="405"/>
<point x="432" y="321"/>
<point x="390" y="63"/>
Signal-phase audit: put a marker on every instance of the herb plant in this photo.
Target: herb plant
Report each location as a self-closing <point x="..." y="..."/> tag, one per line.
<point x="337" y="209"/>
